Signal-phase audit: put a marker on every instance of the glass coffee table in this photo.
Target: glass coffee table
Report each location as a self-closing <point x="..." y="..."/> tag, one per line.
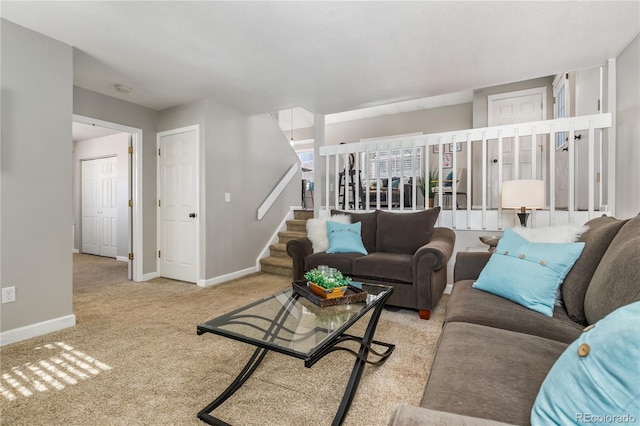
<point x="290" y="324"/>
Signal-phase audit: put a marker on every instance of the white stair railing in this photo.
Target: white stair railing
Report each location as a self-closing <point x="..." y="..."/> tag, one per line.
<point x="409" y="157"/>
<point x="273" y="196"/>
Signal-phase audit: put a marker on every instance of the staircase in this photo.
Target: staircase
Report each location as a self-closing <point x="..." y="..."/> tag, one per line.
<point x="279" y="262"/>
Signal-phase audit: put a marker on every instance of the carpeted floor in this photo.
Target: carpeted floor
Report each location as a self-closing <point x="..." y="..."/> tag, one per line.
<point x="134" y="359"/>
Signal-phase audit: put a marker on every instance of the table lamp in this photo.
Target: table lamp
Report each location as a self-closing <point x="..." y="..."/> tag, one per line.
<point x="523" y="194"/>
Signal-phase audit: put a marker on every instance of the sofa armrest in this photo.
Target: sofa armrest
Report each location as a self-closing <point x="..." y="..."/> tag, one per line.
<point x="469" y="265"/>
<point x="440" y="247"/>
<point x="298" y="249"/>
<point x="430" y="269"/>
<point x="408" y="415"/>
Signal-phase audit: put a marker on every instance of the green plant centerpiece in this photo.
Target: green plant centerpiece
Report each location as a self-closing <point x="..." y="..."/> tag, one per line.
<point x="327" y="282"/>
<point x="327" y="279"/>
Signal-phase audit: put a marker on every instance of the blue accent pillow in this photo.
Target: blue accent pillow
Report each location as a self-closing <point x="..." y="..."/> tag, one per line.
<point x="449" y="177"/>
<point x="597" y="378"/>
<point x="528" y="273"/>
<point x="395" y="183"/>
<point x="345" y="238"/>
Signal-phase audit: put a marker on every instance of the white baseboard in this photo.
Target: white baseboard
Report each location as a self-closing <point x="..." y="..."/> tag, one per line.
<point x="75" y="251"/>
<point x="150" y="276"/>
<point x="448" y="288"/>
<point x="38" y="329"/>
<point x="122" y="258"/>
<point x="223" y="278"/>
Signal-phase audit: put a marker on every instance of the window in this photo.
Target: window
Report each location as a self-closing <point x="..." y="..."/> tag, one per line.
<point x="306" y="162"/>
<point x="561" y="104"/>
<point x="386" y="164"/>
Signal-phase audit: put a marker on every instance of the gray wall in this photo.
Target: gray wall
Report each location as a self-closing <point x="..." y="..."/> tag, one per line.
<point x="96" y="105"/>
<point x="431" y="120"/>
<point x="628" y="131"/>
<point x="36" y="183"/>
<point x="108" y="146"/>
<point x="245" y="156"/>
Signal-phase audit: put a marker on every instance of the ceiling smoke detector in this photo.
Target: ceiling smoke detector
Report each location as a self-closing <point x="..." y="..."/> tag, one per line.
<point x="122" y="88"/>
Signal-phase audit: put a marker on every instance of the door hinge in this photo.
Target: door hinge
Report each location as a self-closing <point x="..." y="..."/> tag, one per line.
<point x="598" y="104"/>
<point x="566" y="76"/>
<point x="554" y="99"/>
<point x="130" y="256"/>
<point x="158" y="253"/>
<point x="130" y="203"/>
<point x="158" y="151"/>
<point x="159" y="204"/>
<point x="130" y="150"/>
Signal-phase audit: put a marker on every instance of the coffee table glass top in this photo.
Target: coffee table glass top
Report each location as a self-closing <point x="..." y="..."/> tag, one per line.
<point x="289" y="323"/>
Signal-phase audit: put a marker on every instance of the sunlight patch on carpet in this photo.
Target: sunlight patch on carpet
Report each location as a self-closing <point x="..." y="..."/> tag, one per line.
<point x="63" y="368"/>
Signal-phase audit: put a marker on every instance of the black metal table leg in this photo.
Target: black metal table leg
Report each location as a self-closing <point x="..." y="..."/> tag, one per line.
<point x="246" y="372"/>
<point x="358" y="366"/>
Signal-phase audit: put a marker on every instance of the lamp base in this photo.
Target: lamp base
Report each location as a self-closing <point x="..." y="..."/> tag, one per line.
<point x="523" y="219"/>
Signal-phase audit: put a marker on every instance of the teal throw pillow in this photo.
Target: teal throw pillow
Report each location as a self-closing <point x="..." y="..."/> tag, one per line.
<point x="597" y="378"/>
<point x="395" y="183"/>
<point x="528" y="273"/>
<point x="345" y="238"/>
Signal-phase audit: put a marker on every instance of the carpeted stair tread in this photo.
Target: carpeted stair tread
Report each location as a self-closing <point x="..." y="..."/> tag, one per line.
<point x="279" y="250"/>
<point x="297" y="225"/>
<point x="277" y="261"/>
<point x="277" y="266"/>
<point x="285" y="236"/>
<point x="303" y="214"/>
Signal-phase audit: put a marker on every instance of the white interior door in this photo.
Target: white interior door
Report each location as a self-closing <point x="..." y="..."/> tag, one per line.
<point x="99" y="207"/>
<point x="90" y="208"/>
<point x="178" y="204"/>
<point x="518" y="107"/>
<point x="109" y="207"/>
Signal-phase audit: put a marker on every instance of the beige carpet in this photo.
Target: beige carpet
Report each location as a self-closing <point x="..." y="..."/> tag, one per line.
<point x="134" y="359"/>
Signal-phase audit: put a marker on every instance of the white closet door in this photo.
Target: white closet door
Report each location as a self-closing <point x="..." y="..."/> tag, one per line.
<point x="99" y="208"/>
<point x="109" y="210"/>
<point x="90" y="208"/>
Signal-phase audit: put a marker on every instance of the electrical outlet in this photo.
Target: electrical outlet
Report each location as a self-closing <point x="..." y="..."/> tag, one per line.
<point x="8" y="294"/>
<point x="227" y="197"/>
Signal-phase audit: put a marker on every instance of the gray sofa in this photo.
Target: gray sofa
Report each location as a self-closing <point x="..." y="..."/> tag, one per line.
<point x="493" y="354"/>
<point x="405" y="251"/>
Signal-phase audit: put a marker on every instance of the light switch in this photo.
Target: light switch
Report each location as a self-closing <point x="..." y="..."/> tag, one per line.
<point x="227" y="197"/>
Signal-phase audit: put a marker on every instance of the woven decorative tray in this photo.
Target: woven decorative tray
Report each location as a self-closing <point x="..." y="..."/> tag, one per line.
<point x="352" y="295"/>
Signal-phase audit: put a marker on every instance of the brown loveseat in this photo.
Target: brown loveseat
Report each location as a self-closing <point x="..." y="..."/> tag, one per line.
<point x="405" y="251"/>
<point x="494" y="354"/>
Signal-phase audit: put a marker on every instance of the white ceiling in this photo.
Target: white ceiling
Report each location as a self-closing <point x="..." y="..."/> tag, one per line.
<point x="326" y="57"/>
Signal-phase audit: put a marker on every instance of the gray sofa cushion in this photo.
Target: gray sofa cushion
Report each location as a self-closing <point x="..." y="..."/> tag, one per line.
<point x="409" y="415"/>
<point x="341" y="261"/>
<point x="597" y="239"/>
<point x="471" y="305"/>
<point x="369" y="224"/>
<point x="405" y="232"/>
<point x="616" y="281"/>
<point x="489" y="373"/>
<point x="386" y="266"/>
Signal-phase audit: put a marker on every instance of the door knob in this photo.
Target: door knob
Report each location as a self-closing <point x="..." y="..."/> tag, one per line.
<point x="192" y="215"/>
<point x="495" y="160"/>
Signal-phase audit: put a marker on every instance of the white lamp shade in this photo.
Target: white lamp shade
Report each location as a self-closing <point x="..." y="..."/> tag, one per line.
<point x="526" y="193"/>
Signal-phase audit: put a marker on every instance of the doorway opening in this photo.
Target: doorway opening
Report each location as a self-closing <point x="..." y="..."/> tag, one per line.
<point x="107" y="187"/>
